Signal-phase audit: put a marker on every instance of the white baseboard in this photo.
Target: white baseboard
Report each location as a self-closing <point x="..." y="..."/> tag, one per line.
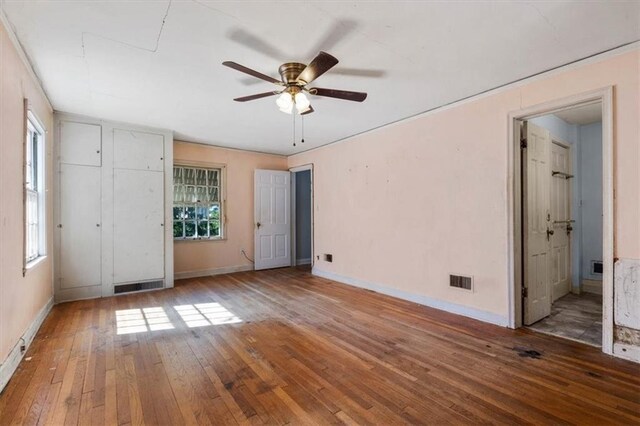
<point x="417" y="298"/>
<point x="628" y="352"/>
<point x="592" y="286"/>
<point x="306" y="261"/>
<point x="214" y="271"/>
<point x="10" y="364"/>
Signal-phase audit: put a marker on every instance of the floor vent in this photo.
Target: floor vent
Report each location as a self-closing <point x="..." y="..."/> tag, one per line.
<point x="596" y="267"/>
<point x="128" y="288"/>
<point x="461" y="281"/>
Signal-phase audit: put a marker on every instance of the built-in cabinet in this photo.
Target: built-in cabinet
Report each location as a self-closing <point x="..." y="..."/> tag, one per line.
<point x="113" y="216"/>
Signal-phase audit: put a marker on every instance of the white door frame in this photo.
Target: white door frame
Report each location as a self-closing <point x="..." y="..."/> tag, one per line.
<point x="514" y="188"/>
<point x="293" y="171"/>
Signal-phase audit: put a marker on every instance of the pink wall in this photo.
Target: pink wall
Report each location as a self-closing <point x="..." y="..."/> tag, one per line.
<point x="408" y="204"/>
<point x="208" y="256"/>
<point x="21" y="298"/>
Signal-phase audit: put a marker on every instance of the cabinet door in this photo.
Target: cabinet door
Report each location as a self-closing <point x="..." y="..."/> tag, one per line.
<point x="80" y="220"/>
<point x="138" y="226"/>
<point x="80" y="143"/>
<point x="138" y="150"/>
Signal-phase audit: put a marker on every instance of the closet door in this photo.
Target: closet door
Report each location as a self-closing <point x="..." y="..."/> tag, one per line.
<point x="138" y="203"/>
<point x="80" y="226"/>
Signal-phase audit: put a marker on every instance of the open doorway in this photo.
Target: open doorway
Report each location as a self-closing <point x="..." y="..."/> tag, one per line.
<point x="563" y="229"/>
<point x="302" y="216"/>
<point x="571" y="141"/>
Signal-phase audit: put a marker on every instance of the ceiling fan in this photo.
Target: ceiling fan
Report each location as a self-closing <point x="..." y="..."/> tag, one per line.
<point x="295" y="78"/>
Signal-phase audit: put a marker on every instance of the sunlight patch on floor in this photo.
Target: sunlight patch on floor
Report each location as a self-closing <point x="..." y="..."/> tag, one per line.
<point x="205" y="314"/>
<point x="141" y="320"/>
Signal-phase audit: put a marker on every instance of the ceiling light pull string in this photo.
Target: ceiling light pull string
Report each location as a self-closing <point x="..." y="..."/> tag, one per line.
<point x="302" y="127"/>
<point x="293" y="116"/>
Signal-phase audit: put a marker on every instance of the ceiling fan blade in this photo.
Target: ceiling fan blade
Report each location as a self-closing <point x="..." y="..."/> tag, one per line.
<point x="249" y="71"/>
<point x="258" y="96"/>
<point x="339" y="94"/>
<point x="257" y="44"/>
<point x="309" y="111"/>
<point x="359" y="72"/>
<point x="339" y="31"/>
<point x="320" y="64"/>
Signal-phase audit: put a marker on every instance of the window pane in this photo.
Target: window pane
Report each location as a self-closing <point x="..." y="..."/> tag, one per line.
<point x="189" y="176"/>
<point x="178" y="213"/>
<point x="212" y="178"/>
<point x="178" y="193"/>
<point x="190" y="212"/>
<point x="214" y="212"/>
<point x="203" y="229"/>
<point x="201" y="177"/>
<point x="177" y="175"/>
<point x="201" y="213"/>
<point x="214" y="229"/>
<point x="190" y="229"/>
<point x="190" y="194"/>
<point x="178" y="229"/>
<point x="213" y="194"/>
<point x="201" y="194"/>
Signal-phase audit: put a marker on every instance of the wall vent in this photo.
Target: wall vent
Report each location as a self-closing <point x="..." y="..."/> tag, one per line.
<point x="596" y="267"/>
<point x="328" y="257"/>
<point x="461" y="281"/>
<point x="133" y="287"/>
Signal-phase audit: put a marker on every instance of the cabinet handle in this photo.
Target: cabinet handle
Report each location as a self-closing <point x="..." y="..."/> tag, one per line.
<point x="98" y="225"/>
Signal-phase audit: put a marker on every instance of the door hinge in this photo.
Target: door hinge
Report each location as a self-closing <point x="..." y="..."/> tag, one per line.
<point x="525" y="292"/>
<point x="523" y="143"/>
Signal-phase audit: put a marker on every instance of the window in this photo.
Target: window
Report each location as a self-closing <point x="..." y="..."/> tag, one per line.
<point x="34" y="191"/>
<point x="197" y="206"/>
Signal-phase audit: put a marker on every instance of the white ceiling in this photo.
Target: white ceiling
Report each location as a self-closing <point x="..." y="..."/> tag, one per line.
<point x="117" y="60"/>
<point x="586" y="114"/>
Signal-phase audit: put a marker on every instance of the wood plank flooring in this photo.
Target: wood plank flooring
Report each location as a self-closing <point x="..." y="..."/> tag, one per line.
<point x="284" y="347"/>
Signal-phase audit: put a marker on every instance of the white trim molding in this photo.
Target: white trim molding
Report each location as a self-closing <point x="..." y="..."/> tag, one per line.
<point x="215" y="271"/>
<point x="420" y="299"/>
<point x="10" y="364"/>
<point x="306" y="261"/>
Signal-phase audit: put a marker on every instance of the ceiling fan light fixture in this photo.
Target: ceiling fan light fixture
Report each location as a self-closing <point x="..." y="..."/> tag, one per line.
<point x="285" y="101"/>
<point x="287" y="110"/>
<point x="302" y="103"/>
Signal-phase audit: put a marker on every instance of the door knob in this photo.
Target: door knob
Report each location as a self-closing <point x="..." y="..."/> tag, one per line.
<point x="258" y="225"/>
<point x="550" y="232"/>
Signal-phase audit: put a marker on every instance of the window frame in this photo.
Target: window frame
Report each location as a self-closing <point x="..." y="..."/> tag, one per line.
<point x="222" y="198"/>
<point x="34" y="151"/>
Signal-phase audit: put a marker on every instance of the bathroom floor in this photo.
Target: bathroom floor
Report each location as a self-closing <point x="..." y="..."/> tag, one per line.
<point x="576" y="317"/>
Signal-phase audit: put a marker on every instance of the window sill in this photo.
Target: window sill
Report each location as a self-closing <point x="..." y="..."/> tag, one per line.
<point x="199" y="240"/>
<point x="34" y="263"/>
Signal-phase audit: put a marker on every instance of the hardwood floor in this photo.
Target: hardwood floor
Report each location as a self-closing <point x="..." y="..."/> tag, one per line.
<point x="282" y="346"/>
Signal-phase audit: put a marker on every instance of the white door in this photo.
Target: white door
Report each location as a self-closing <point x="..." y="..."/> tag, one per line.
<point x="138" y="231"/>
<point x="537" y="221"/>
<point x="272" y="219"/>
<point x="560" y="216"/>
<point x="80" y="226"/>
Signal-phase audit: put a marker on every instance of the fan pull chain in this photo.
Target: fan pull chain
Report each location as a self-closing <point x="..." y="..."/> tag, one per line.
<point x="302" y="126"/>
<point x="294" y="129"/>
